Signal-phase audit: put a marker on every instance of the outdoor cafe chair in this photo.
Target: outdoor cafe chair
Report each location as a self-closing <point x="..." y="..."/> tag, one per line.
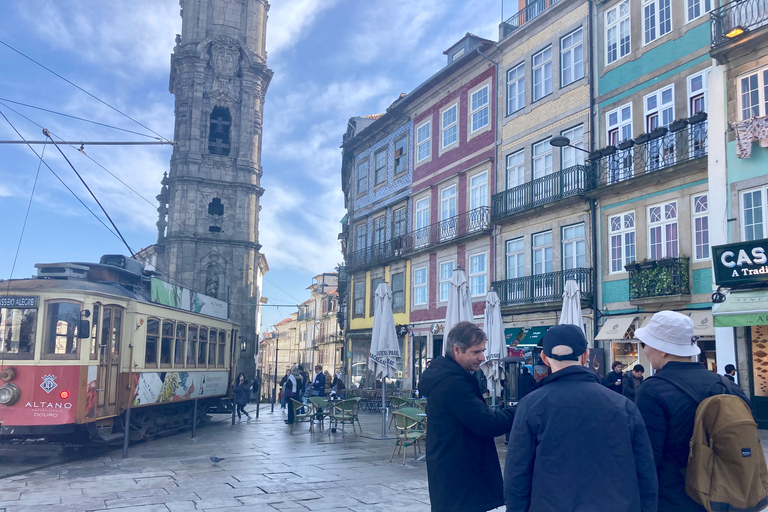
<point x="395" y="404"/>
<point x="321" y="409"/>
<point x="308" y="414"/>
<point x="407" y="434"/>
<point x="345" y="412"/>
<point x="416" y="414"/>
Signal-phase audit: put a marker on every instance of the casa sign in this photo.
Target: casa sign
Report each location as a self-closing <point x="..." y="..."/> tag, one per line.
<point x="741" y="263"/>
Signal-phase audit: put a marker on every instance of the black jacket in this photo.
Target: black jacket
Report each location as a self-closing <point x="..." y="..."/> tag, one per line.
<point x="669" y="413"/>
<point x="463" y="467"/>
<point x="318" y="385"/>
<point x="610" y="381"/>
<point x="525" y="384"/>
<point x="730" y="378"/>
<point x="338" y="384"/>
<point x="242" y="392"/>
<point x="628" y="386"/>
<point x="576" y="446"/>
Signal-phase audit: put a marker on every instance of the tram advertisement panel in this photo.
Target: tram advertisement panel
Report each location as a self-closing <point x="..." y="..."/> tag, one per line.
<point x="159" y="387"/>
<point x="48" y="396"/>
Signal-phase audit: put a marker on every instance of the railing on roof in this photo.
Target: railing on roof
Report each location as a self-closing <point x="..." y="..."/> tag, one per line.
<point x="543" y="287"/>
<point x="736" y="18"/>
<point x="531" y="11"/>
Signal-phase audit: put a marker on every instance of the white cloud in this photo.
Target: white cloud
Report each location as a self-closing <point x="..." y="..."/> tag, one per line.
<point x="290" y="19"/>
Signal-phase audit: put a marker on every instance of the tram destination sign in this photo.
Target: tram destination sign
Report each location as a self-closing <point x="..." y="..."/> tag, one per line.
<point x="741" y="263"/>
<point x="18" y="302"/>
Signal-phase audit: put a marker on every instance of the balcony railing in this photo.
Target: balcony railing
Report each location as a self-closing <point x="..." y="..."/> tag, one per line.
<point x="548" y="189"/>
<point x="656" y="151"/>
<point x="543" y="287"/>
<point x="376" y="254"/>
<point x="531" y="11"/>
<point x="667" y="276"/>
<point x="735" y="18"/>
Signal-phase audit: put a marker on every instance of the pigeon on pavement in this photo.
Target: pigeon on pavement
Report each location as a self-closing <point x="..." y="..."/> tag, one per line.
<point x="216" y="459"/>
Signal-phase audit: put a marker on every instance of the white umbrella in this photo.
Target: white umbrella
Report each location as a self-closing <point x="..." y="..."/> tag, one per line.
<point x="496" y="344"/>
<point x="571" y="313"/>
<point x="459" y="302"/>
<point x="384" y="347"/>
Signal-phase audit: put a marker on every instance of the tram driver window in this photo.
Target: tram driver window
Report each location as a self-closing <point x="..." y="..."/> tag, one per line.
<point x="61" y="340"/>
<point x="150" y="353"/>
<point x="17" y="333"/>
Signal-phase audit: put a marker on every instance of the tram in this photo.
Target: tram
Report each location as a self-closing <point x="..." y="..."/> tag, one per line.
<point x="80" y="343"/>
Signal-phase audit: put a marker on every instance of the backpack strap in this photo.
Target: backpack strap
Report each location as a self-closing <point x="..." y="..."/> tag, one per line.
<point x="682" y="387"/>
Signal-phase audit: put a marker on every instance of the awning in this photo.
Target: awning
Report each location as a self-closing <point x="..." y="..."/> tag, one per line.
<point x="510" y="333"/>
<point x="702" y="323"/>
<point x="742" y="309"/>
<point x="533" y="336"/>
<point x="615" y="328"/>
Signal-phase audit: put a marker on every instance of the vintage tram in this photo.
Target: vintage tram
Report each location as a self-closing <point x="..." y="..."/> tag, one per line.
<point x="82" y="342"/>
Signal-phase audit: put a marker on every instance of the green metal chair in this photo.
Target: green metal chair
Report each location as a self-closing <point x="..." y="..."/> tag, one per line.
<point x="320" y="404"/>
<point x="345" y="412"/>
<point x="395" y="404"/>
<point x="407" y="435"/>
<point x="307" y="416"/>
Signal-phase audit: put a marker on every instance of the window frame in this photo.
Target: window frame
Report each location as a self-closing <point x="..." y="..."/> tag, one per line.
<point x="543" y="68"/>
<point x="379" y="231"/>
<point x="362" y="178"/>
<point x="23" y="312"/>
<point x="571" y="50"/>
<point x="704" y="11"/>
<point x="617" y="26"/>
<point x="762" y="98"/>
<point x="695" y="216"/>
<point x="548" y="150"/>
<point x="475" y="275"/>
<point x="621" y="233"/>
<point x="444" y="128"/>
<point x="660" y="107"/>
<point x="403" y="157"/>
<point x="485" y="106"/>
<point x="444" y="283"/>
<point x="358" y="298"/>
<point x="361" y="232"/>
<point x="484" y="201"/>
<point x="383" y="169"/>
<point x="693" y="94"/>
<point x="535" y="247"/>
<point x="564" y="241"/>
<point x="519" y="79"/>
<point x="157" y="336"/>
<point x="508" y="163"/>
<point x="515" y="252"/>
<point x="418" y="285"/>
<point x="399" y="227"/>
<point x="375" y="282"/>
<point x="568" y="153"/>
<point x="169" y="364"/>
<point x="425" y="143"/>
<point x="44" y="355"/>
<point x="763" y="192"/>
<point x="190" y="356"/>
<point x="658" y="23"/>
<point x="620" y="124"/>
<point x="662" y="224"/>
<point x="398" y="308"/>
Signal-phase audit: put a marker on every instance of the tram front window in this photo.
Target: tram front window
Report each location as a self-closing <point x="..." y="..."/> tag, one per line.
<point x="17" y="332"/>
<point x="61" y="339"/>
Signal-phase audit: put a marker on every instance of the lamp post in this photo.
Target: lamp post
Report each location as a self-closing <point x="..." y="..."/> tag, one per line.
<point x="559" y="142"/>
<point x="274" y="388"/>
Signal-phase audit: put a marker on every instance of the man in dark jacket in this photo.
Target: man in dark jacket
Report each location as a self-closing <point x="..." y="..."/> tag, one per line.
<point x="318" y="385"/>
<point x="564" y="433"/>
<point x="242" y="391"/>
<point x="632" y="381"/>
<point x="525" y="383"/>
<point x="730" y="373"/>
<point x="463" y="467"/>
<point x="614" y="379"/>
<point x="669" y="344"/>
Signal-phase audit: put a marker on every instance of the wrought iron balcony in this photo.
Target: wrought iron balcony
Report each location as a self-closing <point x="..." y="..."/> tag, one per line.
<point x="651" y="152"/>
<point x="661" y="278"/>
<point x="543" y="287"/>
<point x="734" y="18"/>
<point x="450" y="230"/>
<point x="531" y="11"/>
<point x="376" y="254"/>
<point x="569" y="182"/>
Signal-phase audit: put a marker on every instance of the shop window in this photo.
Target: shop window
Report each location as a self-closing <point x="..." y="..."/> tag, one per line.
<point x="150" y="351"/>
<point x="218" y="138"/>
<point x="17" y="333"/>
<point x="61" y="340"/>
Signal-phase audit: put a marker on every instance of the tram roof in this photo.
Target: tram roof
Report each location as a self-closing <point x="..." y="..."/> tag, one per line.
<point x="83" y="285"/>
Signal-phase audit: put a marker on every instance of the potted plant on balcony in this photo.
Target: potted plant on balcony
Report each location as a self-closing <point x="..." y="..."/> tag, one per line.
<point x="647" y="264"/>
<point x="642" y="138"/>
<point x="697" y="118"/>
<point x="632" y="266"/>
<point x="625" y="144"/>
<point x="658" y="133"/>
<point x="678" y="125"/>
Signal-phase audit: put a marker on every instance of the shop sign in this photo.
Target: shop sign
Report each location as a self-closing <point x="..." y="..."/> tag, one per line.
<point x="741" y="263"/>
<point x="18" y="302"/>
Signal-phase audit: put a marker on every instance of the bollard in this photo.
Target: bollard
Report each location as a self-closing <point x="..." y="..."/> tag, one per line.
<point x="127" y="434"/>
<point x="233" y="411"/>
<point x="194" y="421"/>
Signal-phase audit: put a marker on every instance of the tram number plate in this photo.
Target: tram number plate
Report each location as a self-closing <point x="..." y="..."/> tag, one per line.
<point x="18" y="302"/>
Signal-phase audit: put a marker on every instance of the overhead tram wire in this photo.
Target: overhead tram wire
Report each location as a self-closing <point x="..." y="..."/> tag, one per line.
<point x="81" y="89"/>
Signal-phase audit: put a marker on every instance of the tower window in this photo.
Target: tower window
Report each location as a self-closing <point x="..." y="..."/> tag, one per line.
<point x="218" y="139"/>
<point x="215" y="207"/>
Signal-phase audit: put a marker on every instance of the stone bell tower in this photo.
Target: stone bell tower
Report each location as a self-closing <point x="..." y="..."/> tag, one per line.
<point x="208" y="227"/>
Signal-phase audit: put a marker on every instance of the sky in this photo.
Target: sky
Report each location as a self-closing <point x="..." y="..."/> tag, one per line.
<point x="332" y="59"/>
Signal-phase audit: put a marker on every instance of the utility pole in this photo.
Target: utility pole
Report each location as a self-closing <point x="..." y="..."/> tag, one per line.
<point x="274" y="389"/>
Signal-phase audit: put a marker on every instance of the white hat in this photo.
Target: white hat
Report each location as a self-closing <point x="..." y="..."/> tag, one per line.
<point x="671" y="333"/>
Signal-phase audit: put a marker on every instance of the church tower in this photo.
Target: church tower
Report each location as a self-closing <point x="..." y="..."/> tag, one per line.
<point x="208" y="227"/>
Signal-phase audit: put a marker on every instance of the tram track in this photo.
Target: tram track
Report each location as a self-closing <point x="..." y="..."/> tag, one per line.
<point x="21" y="458"/>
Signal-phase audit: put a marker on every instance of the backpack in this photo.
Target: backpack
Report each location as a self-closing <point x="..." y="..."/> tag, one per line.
<point x="726" y="463"/>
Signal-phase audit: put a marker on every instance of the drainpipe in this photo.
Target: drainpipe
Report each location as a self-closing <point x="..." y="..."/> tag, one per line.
<point x="592" y="202"/>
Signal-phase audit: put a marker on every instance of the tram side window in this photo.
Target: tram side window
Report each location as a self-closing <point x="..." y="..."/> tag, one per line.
<point x="178" y="349"/>
<point x="116" y="330"/>
<point x="222" y="348"/>
<point x="150" y="354"/>
<point x="95" y="331"/>
<point x="166" y="342"/>
<point x="203" y="346"/>
<point x="61" y="340"/>
<point x="212" y="348"/>
<point x="192" y="346"/>
<point x="17" y="333"/>
<point x="106" y="329"/>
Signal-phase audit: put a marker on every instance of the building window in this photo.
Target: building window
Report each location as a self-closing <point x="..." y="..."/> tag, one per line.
<point x="753" y="210"/>
<point x="515" y="258"/>
<point x="478" y="275"/>
<point x="380" y="167"/>
<point x="478" y="191"/>
<point x="446" y="272"/>
<point x="542" y="73"/>
<point x="571" y="156"/>
<point x="449" y="127"/>
<point x="662" y="231"/>
<point x="374" y="284"/>
<point x="515" y="169"/>
<point x="401" y="155"/>
<point x="422" y="220"/>
<point x="480" y="108"/>
<point x="359" y="299"/>
<point x="657" y="19"/>
<point x="218" y="138"/>
<point x="448" y="212"/>
<point x="622" y="233"/>
<point x="542" y="159"/>
<point x="398" y="222"/>
<point x="753" y="97"/>
<point x="617" y="32"/>
<point x="150" y="347"/>
<point x="362" y="177"/>
<point x="697" y="93"/>
<point x="379" y="230"/>
<point x="361" y="237"/>
<point x="697" y="8"/>
<point x="659" y="108"/>
<point x="398" y="292"/>
<point x="423" y="139"/>
<point x="619" y="125"/>
<point x="701" y="227"/>
<point x="574" y="247"/>
<point x="571" y="58"/>
<point x="420" y="286"/>
<point x="516" y="88"/>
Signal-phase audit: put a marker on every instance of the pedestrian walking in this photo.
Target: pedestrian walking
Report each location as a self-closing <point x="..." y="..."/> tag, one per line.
<point x="291" y="390"/>
<point x="318" y="384"/>
<point x="632" y="381"/>
<point x="282" y="388"/>
<point x="615" y="378"/>
<point x="566" y="430"/>
<point x="669" y="343"/>
<point x="242" y="392"/>
<point x="463" y="469"/>
<point x="730" y="372"/>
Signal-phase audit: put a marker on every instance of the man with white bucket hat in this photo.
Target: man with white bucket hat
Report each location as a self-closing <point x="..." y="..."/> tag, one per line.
<point x="670" y="346"/>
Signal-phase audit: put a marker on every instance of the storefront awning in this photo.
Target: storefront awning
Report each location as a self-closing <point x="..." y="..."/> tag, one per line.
<point x="703" y="326"/>
<point x="510" y="333"/>
<point x="742" y="309"/>
<point x="533" y="336"/>
<point x="615" y="328"/>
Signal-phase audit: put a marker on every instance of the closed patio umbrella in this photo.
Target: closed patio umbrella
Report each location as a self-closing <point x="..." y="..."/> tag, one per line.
<point x="495" y="346"/>
<point x="459" y="301"/>
<point x="384" y="347"/>
<point x="571" y="313"/>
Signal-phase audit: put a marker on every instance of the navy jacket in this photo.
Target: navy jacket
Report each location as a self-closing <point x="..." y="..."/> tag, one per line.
<point x="242" y="392"/>
<point x="463" y="467"/>
<point x="669" y="413"/>
<point x="610" y="381"/>
<point x="318" y="384"/>
<point x="577" y="446"/>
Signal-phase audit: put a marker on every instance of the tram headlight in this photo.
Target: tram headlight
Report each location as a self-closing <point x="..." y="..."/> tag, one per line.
<point x="9" y="394"/>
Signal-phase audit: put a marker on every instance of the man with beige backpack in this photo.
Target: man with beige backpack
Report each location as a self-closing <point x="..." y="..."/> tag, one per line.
<point x="705" y="442"/>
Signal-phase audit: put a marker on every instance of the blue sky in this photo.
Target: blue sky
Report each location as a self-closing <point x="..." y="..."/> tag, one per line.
<point x="333" y="59"/>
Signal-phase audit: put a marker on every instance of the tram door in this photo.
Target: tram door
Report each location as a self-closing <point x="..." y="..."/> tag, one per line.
<point x="109" y="361"/>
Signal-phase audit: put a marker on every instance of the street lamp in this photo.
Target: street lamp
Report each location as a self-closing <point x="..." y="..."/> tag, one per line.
<point x="559" y="142"/>
<point x="274" y="388"/>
